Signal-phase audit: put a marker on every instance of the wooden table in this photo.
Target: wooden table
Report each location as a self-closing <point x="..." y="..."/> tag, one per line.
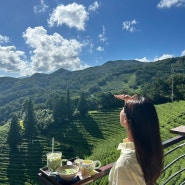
<point x="178" y="130"/>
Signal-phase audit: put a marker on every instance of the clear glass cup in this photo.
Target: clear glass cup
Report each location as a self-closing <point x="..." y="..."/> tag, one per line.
<point x="54" y="160"/>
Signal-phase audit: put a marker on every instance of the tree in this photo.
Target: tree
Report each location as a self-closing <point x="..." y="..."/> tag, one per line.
<point x="82" y="106"/>
<point x="56" y="109"/>
<point x="179" y="87"/>
<point x="68" y="104"/>
<point x="59" y="109"/>
<point x="62" y="109"/>
<point x="14" y="136"/>
<point x="30" y="123"/>
<point x="158" y="90"/>
<point x="109" y="101"/>
<point x="63" y="112"/>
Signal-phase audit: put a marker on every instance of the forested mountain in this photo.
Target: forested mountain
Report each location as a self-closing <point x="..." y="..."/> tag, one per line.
<point x="121" y="76"/>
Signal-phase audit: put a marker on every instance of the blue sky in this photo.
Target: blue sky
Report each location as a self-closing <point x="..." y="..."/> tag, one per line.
<point x="45" y="35"/>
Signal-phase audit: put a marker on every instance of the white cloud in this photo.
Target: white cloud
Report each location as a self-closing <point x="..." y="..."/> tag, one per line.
<point x="40" y="8"/>
<point x="99" y="48"/>
<point x="4" y="39"/>
<point x="144" y="59"/>
<point x="102" y="36"/>
<point x="11" y="59"/>
<point x="129" y="25"/>
<point x="183" y="53"/>
<point x="93" y="7"/>
<point x="73" y="15"/>
<point x="170" y="3"/>
<point x="51" y="52"/>
<point x="164" y="56"/>
<point x="48" y="53"/>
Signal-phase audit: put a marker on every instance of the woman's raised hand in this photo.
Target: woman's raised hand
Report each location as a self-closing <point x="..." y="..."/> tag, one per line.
<point x="125" y="97"/>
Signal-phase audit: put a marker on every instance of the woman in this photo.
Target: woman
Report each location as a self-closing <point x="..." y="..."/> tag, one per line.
<point x="141" y="158"/>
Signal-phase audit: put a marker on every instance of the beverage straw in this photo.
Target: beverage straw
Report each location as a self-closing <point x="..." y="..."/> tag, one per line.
<point x="52" y="144"/>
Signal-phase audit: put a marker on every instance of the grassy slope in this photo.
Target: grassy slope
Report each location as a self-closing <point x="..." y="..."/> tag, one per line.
<point x="95" y="136"/>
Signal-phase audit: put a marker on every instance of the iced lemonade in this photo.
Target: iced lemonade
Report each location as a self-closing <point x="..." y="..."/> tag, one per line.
<point x="54" y="160"/>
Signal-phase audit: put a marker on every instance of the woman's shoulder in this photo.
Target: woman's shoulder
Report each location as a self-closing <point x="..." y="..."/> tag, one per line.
<point x="126" y="145"/>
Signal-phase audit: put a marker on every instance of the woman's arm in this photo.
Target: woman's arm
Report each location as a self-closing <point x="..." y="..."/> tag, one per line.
<point x="125" y="97"/>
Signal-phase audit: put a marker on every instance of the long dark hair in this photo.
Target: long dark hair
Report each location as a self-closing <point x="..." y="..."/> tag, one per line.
<point x="144" y="124"/>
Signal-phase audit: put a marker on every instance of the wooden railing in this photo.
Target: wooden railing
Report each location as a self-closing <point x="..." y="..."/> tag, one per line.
<point x="104" y="171"/>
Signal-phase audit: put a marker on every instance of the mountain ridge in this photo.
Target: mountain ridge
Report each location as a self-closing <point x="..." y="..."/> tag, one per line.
<point x="112" y="76"/>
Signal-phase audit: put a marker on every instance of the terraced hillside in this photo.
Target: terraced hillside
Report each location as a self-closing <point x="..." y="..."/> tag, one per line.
<point x="95" y="136"/>
<point x="73" y="139"/>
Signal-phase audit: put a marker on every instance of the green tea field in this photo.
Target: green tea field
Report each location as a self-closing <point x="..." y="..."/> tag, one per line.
<point x="95" y="136"/>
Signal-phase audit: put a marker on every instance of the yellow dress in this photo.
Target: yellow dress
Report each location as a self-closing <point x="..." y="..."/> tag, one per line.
<point x="126" y="170"/>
